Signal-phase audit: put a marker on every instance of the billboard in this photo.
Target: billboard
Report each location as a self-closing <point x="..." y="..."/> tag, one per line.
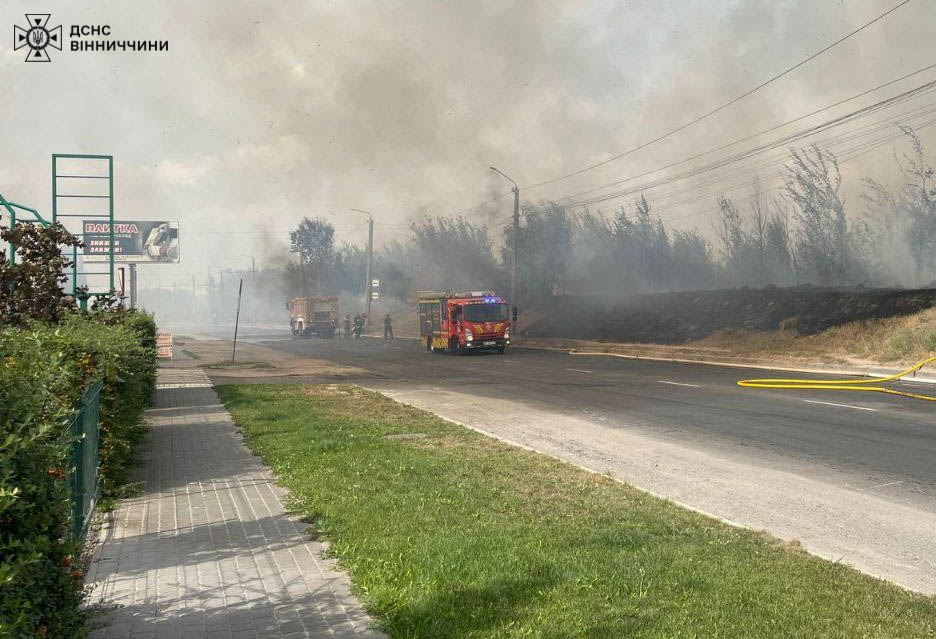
<point x="152" y="242"/>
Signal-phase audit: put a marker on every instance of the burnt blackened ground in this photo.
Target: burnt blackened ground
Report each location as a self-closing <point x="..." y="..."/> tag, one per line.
<point x="679" y="317"/>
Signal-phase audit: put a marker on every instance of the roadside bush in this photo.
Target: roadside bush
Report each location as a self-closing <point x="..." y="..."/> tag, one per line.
<point x="118" y="349"/>
<point x="43" y="372"/>
<point x="38" y="594"/>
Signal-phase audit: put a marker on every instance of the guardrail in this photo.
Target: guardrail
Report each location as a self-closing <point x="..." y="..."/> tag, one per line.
<point x="85" y="432"/>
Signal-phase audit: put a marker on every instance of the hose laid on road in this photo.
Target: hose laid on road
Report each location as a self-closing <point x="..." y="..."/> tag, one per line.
<point x="842" y="384"/>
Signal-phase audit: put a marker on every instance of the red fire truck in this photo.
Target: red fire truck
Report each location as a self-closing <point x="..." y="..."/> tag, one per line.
<point x="463" y="322"/>
<point x="313" y="316"/>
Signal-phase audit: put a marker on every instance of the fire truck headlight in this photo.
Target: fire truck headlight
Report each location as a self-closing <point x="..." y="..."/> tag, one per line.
<point x="507" y="335"/>
<point x="469" y="336"/>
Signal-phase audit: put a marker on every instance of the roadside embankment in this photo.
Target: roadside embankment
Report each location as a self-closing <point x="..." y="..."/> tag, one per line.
<point x="863" y="331"/>
<point x="449" y="533"/>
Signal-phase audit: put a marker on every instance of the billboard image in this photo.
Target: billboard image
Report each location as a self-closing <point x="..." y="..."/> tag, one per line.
<point x="134" y="241"/>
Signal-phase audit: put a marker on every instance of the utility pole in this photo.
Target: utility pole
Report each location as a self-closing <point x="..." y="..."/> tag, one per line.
<point x="515" y="238"/>
<point x="240" y="289"/>
<point x="516" y="246"/>
<point x="370" y="266"/>
<point x="133" y="285"/>
<point x="368" y="286"/>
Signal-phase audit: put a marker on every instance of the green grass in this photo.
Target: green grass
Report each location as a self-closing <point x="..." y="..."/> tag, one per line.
<point x="452" y="534"/>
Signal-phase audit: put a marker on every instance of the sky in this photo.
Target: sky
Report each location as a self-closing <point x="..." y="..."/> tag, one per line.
<point x="262" y="112"/>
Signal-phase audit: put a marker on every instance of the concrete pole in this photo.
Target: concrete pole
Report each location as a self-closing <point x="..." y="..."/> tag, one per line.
<point x="370" y="266"/>
<point x="516" y="247"/>
<point x="133" y="285"/>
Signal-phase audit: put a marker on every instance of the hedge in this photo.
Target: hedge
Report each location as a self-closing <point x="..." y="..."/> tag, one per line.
<point x="43" y="372"/>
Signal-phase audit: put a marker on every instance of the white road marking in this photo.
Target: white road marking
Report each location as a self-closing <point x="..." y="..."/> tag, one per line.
<point x="812" y="401"/>
<point x="577" y="370"/>
<point x="510" y="361"/>
<point x="891" y="483"/>
<point x="663" y="381"/>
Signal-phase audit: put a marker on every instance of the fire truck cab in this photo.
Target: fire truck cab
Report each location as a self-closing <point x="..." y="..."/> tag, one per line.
<point x="463" y="322"/>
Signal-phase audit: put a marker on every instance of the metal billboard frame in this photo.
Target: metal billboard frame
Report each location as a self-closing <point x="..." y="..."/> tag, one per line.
<point x="109" y="216"/>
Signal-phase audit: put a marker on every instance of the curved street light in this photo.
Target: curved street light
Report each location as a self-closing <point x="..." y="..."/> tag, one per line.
<point x="514" y="238"/>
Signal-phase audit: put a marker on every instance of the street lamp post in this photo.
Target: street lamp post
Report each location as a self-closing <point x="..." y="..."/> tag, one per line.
<point x="515" y="238"/>
<point x="368" y="288"/>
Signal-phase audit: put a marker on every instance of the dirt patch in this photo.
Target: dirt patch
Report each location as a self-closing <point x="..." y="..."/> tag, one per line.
<point x="239" y="365"/>
<point x="329" y="390"/>
<point x="255" y="361"/>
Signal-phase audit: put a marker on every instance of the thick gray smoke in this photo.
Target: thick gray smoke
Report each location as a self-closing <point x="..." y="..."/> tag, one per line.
<point x="262" y="112"/>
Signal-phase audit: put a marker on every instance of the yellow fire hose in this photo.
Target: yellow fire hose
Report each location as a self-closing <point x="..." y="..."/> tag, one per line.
<point x="842" y="384"/>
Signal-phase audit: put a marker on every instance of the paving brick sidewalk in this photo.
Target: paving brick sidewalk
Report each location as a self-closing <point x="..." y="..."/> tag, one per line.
<point x="208" y="550"/>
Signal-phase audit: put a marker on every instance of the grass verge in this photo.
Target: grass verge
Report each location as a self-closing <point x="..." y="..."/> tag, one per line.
<point x="447" y="533"/>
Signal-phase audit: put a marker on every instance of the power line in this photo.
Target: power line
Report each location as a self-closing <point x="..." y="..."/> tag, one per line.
<point x="780" y="143"/>
<point x="746" y="176"/>
<point x="710" y="113"/>
<point x="723" y="106"/>
<point x="848" y="155"/>
<point x="749" y="137"/>
<point x="859" y="153"/>
<point x="775" y="144"/>
<point x="828" y="144"/>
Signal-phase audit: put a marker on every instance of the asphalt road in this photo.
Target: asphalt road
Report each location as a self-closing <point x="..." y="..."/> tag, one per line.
<point x="851" y="474"/>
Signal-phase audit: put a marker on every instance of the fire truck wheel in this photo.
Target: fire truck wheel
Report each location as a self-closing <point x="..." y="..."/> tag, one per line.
<point x="500" y="350"/>
<point x="460" y="349"/>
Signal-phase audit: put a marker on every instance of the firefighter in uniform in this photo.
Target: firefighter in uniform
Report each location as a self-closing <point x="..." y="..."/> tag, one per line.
<point x="387" y="327"/>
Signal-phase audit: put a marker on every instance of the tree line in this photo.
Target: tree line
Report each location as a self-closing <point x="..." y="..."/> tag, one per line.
<point x="798" y="235"/>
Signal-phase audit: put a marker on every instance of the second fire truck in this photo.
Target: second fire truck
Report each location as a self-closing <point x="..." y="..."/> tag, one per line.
<point x="313" y="316"/>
